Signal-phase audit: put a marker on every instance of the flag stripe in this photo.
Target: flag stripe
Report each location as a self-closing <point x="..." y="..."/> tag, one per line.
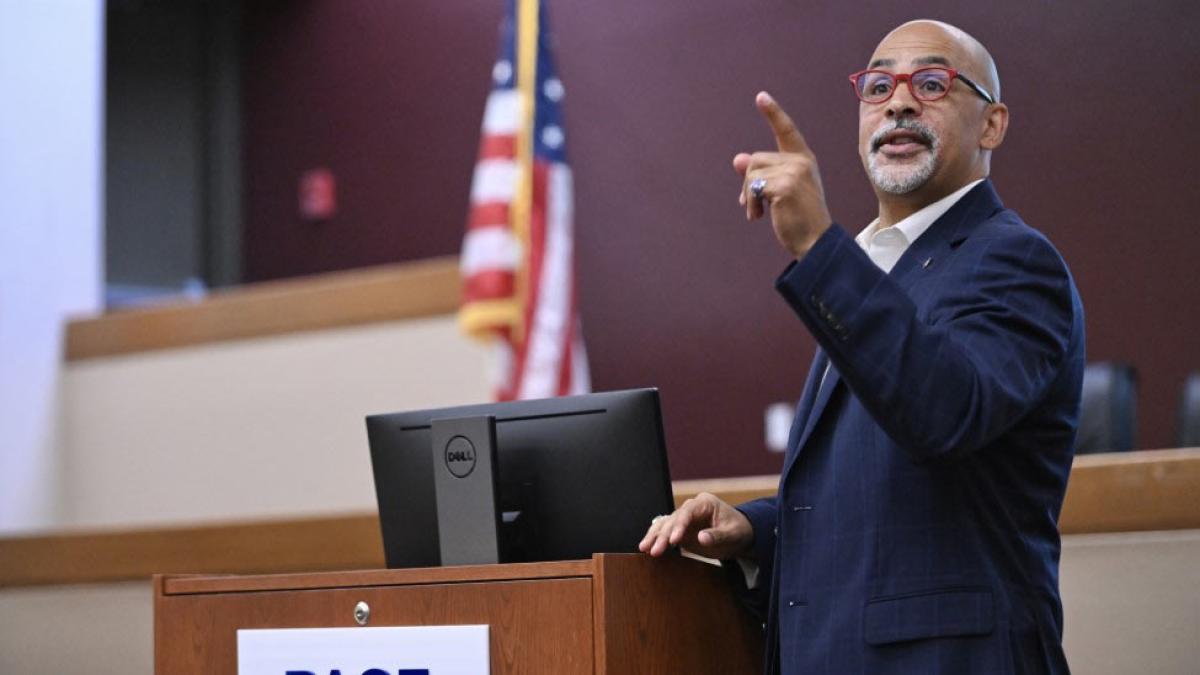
<point x="565" y="365"/>
<point x="549" y="320"/>
<point x="489" y="284"/>
<point x="489" y="248"/>
<point x="494" y="181"/>
<point x="489" y="214"/>
<point x="502" y="114"/>
<point x="581" y="377"/>
<point x="498" y="147"/>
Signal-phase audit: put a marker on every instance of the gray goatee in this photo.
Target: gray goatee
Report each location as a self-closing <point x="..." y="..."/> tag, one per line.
<point x="902" y="180"/>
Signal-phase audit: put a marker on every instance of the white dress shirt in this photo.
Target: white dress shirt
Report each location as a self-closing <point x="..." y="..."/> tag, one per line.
<point x="884" y="246"/>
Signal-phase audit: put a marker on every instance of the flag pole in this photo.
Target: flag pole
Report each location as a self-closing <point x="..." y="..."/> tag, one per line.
<point x="527" y="49"/>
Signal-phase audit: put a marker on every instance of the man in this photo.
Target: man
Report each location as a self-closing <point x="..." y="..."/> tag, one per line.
<point x="915" y="526"/>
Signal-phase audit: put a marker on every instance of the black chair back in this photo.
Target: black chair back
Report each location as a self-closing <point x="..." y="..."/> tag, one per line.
<point x="1189" y="413"/>
<point x="1108" y="413"/>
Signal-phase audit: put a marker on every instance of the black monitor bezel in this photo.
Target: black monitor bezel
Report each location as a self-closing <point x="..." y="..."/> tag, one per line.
<point x="632" y="420"/>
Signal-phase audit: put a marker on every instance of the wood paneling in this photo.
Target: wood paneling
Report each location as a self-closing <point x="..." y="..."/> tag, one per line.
<point x="1120" y="492"/>
<point x="732" y="490"/>
<point x="670" y="616"/>
<point x="536" y="626"/>
<point x="612" y="614"/>
<point x="301" y="545"/>
<point x="1133" y="491"/>
<point x="387" y="293"/>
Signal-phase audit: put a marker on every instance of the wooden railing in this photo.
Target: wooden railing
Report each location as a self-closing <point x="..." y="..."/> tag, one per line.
<point x="387" y="293"/>
<point x="1120" y="492"/>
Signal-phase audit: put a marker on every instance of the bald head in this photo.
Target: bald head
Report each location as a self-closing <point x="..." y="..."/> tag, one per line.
<point x="962" y="51"/>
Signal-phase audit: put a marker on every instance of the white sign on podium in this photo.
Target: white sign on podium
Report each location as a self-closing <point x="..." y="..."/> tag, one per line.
<point x="409" y="650"/>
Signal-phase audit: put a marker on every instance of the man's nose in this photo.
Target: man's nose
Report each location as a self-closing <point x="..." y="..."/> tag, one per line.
<point x="903" y="103"/>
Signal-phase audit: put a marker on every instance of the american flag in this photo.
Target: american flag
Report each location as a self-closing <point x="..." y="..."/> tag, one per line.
<point x="518" y="259"/>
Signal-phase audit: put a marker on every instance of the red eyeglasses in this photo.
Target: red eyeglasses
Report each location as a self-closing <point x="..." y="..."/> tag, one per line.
<point x="925" y="84"/>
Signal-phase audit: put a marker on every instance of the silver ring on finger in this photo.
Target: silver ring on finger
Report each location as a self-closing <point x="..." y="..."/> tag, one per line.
<point x="757" y="186"/>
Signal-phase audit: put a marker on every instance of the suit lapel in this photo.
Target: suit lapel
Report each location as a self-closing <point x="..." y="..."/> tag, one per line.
<point x="824" y="391"/>
<point x="946" y="232"/>
<point x="820" y="361"/>
<point x="804" y="409"/>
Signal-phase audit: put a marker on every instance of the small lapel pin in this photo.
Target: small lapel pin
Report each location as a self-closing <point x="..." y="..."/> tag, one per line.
<point x="925" y="265"/>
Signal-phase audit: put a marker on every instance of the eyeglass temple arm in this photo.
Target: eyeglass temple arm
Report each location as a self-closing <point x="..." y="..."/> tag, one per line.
<point x="978" y="89"/>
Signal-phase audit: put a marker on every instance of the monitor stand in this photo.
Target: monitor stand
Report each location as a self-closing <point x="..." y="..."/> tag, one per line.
<point x="464" y="468"/>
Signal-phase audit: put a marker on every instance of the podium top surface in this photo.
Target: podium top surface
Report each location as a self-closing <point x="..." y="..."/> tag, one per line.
<point x="195" y="585"/>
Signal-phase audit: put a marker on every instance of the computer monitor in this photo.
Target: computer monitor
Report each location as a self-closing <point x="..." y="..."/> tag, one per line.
<point x="569" y="477"/>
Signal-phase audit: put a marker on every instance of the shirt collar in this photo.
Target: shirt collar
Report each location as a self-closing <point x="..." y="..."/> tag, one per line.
<point x="916" y="224"/>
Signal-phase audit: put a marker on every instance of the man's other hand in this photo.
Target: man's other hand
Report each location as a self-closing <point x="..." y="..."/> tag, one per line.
<point x="703" y="525"/>
<point x="790" y="184"/>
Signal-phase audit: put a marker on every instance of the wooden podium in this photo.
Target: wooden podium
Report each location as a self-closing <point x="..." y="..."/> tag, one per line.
<point x="615" y="613"/>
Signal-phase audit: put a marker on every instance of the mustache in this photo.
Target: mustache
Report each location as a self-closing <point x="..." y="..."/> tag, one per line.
<point x="904" y="124"/>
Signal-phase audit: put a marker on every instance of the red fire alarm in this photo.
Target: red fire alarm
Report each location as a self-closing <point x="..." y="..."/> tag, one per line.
<point x="318" y="195"/>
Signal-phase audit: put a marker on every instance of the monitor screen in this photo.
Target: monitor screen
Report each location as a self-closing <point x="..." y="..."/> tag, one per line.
<point x="573" y="476"/>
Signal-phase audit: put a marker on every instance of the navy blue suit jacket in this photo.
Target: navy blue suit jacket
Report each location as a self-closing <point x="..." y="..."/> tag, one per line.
<point x="915" y="527"/>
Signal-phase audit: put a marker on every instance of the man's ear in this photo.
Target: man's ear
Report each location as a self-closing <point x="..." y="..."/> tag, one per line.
<point x="995" y="125"/>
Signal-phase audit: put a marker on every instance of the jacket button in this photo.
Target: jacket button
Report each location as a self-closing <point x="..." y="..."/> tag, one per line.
<point x="791" y="603"/>
<point x="775" y="531"/>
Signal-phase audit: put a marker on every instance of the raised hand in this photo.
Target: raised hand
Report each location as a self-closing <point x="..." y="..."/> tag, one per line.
<point x="785" y="183"/>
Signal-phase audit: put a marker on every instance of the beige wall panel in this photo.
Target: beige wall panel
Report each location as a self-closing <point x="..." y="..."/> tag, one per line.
<point x="249" y="429"/>
<point x="1132" y="602"/>
<point x="77" y="629"/>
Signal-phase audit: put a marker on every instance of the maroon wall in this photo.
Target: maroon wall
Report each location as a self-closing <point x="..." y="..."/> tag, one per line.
<point x="676" y="287"/>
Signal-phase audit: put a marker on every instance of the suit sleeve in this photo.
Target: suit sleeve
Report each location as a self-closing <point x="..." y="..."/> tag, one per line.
<point x="955" y="380"/>
<point x="763" y="515"/>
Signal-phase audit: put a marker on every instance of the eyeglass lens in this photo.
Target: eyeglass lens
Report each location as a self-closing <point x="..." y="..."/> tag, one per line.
<point x="926" y="84"/>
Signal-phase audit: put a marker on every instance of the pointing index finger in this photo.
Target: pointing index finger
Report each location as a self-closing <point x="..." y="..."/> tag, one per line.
<point x="787" y="137"/>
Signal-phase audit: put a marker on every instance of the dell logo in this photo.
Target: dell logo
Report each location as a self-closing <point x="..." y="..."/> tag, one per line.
<point x="460" y="456"/>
